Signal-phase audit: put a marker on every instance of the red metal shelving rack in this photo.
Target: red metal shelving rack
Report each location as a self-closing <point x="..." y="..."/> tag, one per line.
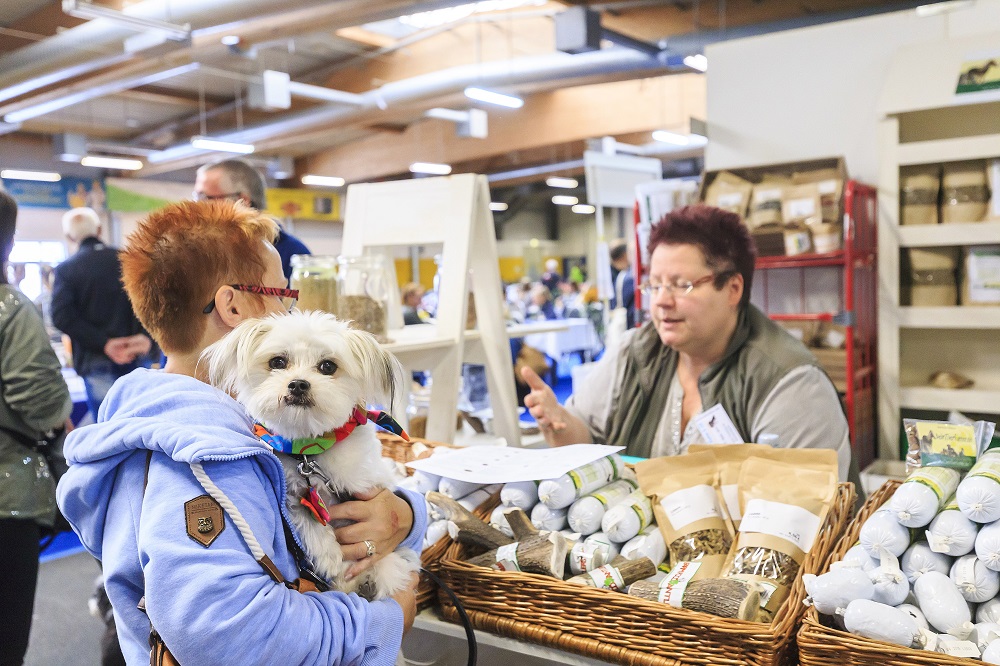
<point x="857" y="313"/>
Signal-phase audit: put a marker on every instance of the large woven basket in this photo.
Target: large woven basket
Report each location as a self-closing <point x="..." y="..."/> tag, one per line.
<point x="627" y="630"/>
<point x="402" y="451"/>
<point x="820" y="645"/>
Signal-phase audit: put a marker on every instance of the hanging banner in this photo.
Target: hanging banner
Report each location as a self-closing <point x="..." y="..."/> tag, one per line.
<point x="135" y="195"/>
<point x="66" y="193"/>
<point x="303" y="204"/>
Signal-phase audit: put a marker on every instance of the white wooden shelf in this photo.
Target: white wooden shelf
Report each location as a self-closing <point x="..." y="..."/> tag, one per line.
<point x="938" y="235"/>
<point x="972" y="400"/>
<point x="949" y="150"/>
<point x="957" y="317"/>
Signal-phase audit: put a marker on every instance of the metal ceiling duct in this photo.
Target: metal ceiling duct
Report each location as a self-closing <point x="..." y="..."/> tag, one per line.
<point x="99" y="42"/>
<point x="548" y="67"/>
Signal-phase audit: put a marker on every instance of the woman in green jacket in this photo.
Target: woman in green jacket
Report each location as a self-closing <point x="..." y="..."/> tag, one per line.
<point x="33" y="399"/>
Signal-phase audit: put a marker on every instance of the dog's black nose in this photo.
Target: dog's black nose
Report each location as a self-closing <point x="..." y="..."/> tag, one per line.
<point x="298" y="386"/>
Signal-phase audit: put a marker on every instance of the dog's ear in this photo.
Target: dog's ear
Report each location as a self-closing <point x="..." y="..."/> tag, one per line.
<point x="229" y="359"/>
<point x="381" y="371"/>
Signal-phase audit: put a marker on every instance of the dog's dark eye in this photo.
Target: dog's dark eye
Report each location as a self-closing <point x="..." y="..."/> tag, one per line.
<point x="278" y="363"/>
<point x="327" y="367"/>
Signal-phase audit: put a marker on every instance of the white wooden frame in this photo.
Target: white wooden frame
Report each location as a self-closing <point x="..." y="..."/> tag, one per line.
<point x="453" y="211"/>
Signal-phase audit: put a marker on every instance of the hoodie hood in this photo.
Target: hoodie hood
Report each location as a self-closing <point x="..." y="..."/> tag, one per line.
<point x="147" y="410"/>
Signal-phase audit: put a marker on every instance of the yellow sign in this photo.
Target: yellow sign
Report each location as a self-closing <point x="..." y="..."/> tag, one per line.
<point x="303" y="204"/>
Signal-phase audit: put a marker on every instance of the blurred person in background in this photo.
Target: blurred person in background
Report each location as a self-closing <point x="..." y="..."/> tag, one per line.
<point x="551" y="277"/>
<point x="411" y="295"/>
<point x="623" y="280"/>
<point x="90" y="306"/>
<point x="541" y="307"/>
<point x="238" y="180"/>
<point x="33" y="399"/>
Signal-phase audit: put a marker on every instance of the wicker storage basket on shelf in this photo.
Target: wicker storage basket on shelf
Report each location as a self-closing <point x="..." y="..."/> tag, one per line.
<point x="627" y="630"/>
<point x="820" y="645"/>
<point x="402" y="451"/>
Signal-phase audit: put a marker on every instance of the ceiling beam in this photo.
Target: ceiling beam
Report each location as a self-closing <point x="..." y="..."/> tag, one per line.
<point x="558" y="117"/>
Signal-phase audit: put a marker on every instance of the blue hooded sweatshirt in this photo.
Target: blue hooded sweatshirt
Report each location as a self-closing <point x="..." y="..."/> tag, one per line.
<point x="214" y="604"/>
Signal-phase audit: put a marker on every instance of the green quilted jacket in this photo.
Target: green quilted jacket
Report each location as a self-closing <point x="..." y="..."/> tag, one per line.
<point x="33" y="398"/>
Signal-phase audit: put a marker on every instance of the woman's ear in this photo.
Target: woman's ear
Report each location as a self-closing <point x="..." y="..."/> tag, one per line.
<point x="734" y="289"/>
<point x="231" y="308"/>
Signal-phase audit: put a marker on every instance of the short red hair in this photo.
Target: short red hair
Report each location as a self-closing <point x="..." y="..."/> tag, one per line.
<point x="180" y="255"/>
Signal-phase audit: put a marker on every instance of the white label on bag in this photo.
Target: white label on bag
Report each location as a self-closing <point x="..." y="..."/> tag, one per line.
<point x="586" y="556"/>
<point x="686" y="506"/>
<point x="765" y="590"/>
<point x="672" y="587"/>
<point x="607" y="578"/>
<point x="827" y="186"/>
<point x="801" y="208"/>
<point x="965" y="571"/>
<point x="730" y="199"/>
<point x="785" y="521"/>
<point x="938" y="544"/>
<point x="966" y="649"/>
<point x="731" y="494"/>
<point x="507" y="558"/>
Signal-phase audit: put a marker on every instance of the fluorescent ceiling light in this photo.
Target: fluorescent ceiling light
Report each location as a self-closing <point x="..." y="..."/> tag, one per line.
<point x="671" y="137"/>
<point x="562" y="200"/>
<point x="323" y="181"/>
<point x="431" y="168"/>
<point x="498" y="206"/>
<point x="436" y="17"/>
<point x="231" y="40"/>
<point x="942" y="7"/>
<point x="19" y="174"/>
<point x="556" y="181"/>
<point x="493" y="97"/>
<point x="202" y="143"/>
<point x="584" y="209"/>
<point x="697" y="61"/>
<point x="111" y="162"/>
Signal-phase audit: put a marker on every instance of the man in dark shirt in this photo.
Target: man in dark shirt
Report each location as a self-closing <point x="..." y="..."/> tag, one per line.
<point x="90" y="306"/>
<point x="238" y="180"/>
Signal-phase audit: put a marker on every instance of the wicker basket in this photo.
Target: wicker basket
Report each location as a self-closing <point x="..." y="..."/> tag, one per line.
<point x="402" y="451"/>
<point x="626" y="630"/>
<point x="820" y="645"/>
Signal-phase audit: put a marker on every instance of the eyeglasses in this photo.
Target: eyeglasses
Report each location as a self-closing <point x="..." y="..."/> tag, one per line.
<point x="288" y="296"/>
<point x="680" y="287"/>
<point x="201" y="196"/>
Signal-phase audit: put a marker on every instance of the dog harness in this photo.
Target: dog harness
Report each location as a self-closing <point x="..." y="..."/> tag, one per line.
<point x="312" y="446"/>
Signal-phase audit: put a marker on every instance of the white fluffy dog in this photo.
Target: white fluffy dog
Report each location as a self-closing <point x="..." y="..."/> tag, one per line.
<point x="303" y="376"/>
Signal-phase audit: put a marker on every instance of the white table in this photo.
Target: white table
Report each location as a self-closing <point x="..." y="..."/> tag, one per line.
<point x="579" y="335"/>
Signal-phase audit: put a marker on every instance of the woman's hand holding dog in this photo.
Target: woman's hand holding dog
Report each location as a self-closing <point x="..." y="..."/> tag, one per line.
<point x="380" y="517"/>
<point x="407" y="600"/>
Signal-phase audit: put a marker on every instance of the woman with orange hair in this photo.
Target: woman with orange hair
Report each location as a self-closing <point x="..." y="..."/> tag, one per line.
<point x="184" y="505"/>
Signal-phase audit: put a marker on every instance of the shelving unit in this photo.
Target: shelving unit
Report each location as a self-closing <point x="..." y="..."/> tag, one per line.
<point x="454" y="212"/>
<point x="856" y="308"/>
<point x="931" y="124"/>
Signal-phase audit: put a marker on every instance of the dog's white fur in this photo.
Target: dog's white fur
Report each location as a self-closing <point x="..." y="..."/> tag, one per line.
<point x="242" y="364"/>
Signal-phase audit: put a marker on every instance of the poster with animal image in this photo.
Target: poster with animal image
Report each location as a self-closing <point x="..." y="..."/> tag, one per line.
<point x="979" y="75"/>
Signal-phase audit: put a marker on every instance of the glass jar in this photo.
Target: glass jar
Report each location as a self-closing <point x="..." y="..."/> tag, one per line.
<point x="315" y="276"/>
<point x="416" y="412"/>
<point x="363" y="293"/>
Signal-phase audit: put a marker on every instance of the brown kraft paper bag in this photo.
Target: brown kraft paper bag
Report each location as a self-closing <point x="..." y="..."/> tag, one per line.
<point x="783" y="508"/>
<point x="682" y="490"/>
